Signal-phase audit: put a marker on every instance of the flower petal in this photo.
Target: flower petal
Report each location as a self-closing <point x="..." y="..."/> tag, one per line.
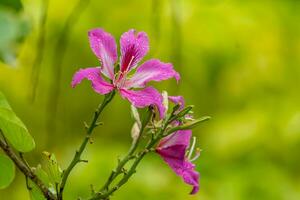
<point x="184" y="169"/>
<point x="190" y="176"/>
<point x="93" y="74"/>
<point x="181" y="137"/>
<point x="152" y="70"/>
<point x="173" y="149"/>
<point x="104" y="47"/>
<point x="146" y="97"/>
<point x="177" y="100"/>
<point x="134" y="46"/>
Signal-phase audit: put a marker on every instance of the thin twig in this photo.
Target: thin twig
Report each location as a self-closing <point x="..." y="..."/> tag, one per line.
<point x="26" y="171"/>
<point x="130" y="155"/>
<point x="77" y="157"/>
<point x="105" y="192"/>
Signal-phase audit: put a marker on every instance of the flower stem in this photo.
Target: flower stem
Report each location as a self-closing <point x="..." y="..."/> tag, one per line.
<point x="119" y="169"/>
<point x="103" y="195"/>
<point x="105" y="192"/>
<point x="77" y="156"/>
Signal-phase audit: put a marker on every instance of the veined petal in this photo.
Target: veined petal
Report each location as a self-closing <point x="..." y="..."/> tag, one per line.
<point x="173" y="149"/>
<point x="146" y="97"/>
<point x="174" y="155"/>
<point x="181" y="137"/>
<point x="134" y="46"/>
<point x="104" y="47"/>
<point x="177" y="100"/>
<point x="152" y="70"/>
<point x="190" y="176"/>
<point x="92" y="74"/>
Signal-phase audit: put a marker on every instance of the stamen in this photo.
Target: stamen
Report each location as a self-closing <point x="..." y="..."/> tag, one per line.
<point x="192" y="148"/>
<point x="122" y="82"/>
<point x="116" y="78"/>
<point x="120" y="77"/>
<point x="129" y="63"/>
<point x="197" y="154"/>
<point x="189" y="117"/>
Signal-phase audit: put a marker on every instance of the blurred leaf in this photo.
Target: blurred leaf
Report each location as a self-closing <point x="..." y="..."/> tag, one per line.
<point x="4" y="103"/>
<point x="7" y="171"/>
<point x="14" y="4"/>
<point x="13" y="29"/>
<point x="53" y="170"/>
<point x="13" y="128"/>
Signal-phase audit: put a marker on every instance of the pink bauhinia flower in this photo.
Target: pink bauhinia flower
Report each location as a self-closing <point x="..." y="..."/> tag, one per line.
<point x="173" y="150"/>
<point x="134" y="46"/>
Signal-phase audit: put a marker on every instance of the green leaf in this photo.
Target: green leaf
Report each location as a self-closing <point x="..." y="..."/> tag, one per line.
<point x="13" y="128"/>
<point x="7" y="171"/>
<point x="41" y="174"/>
<point x="51" y="177"/>
<point x="35" y="192"/>
<point x="53" y="169"/>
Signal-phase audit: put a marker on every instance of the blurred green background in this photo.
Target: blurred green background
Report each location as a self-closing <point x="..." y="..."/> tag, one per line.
<point x="240" y="64"/>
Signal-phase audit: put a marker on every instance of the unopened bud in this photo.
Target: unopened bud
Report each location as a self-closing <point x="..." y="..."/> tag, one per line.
<point x="136" y="115"/>
<point x="135" y="131"/>
<point x="165" y="101"/>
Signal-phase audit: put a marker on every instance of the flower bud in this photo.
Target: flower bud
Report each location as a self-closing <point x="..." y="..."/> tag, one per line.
<point x="165" y="101"/>
<point x="136" y="115"/>
<point x="135" y="131"/>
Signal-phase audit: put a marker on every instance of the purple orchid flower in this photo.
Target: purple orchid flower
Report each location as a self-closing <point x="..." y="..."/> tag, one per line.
<point x="134" y="46"/>
<point x="173" y="149"/>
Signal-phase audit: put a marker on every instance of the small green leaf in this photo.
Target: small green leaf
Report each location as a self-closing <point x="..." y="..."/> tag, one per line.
<point x="7" y="171"/>
<point x="41" y="174"/>
<point x="53" y="169"/>
<point x="35" y="192"/>
<point x="13" y="128"/>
